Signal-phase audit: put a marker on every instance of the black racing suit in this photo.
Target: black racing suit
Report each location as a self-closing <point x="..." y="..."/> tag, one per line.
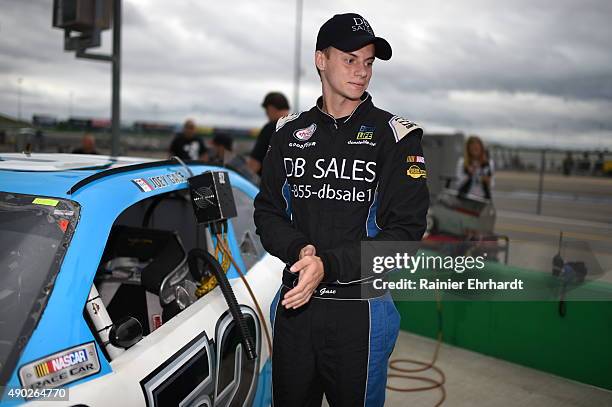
<point x="333" y="183"/>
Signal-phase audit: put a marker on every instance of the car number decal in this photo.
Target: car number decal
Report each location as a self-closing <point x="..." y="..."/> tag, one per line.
<point x="206" y="372"/>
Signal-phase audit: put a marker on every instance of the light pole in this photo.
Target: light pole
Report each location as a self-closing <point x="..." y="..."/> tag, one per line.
<point x="90" y="38"/>
<point x="19" y="81"/>
<point x="298" y="54"/>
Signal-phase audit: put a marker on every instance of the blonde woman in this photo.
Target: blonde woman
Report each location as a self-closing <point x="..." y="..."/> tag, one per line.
<point x="475" y="170"/>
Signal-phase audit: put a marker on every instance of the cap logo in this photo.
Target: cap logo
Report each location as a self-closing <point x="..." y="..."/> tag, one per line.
<point x="362" y="24"/>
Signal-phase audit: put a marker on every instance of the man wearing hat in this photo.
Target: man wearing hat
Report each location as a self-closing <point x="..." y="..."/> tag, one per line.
<point x="338" y="174"/>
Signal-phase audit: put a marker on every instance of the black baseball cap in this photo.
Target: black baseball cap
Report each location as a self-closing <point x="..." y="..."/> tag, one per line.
<point x="349" y="32"/>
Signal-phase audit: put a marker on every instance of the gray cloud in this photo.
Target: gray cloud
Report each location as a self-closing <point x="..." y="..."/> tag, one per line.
<point x="510" y="71"/>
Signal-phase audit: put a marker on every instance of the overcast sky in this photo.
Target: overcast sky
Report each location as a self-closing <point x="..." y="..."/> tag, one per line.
<point x="516" y="72"/>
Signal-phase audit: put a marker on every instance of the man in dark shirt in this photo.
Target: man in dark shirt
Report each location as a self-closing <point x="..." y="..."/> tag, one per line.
<point x="222" y="154"/>
<point x="276" y="106"/>
<point x="186" y="145"/>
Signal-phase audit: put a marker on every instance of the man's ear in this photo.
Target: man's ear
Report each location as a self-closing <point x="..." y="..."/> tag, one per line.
<point x="320" y="60"/>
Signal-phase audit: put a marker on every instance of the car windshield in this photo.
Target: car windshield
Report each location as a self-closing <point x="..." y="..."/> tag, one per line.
<point x="34" y="234"/>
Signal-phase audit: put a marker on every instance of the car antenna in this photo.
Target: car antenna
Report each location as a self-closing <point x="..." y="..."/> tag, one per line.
<point x="183" y="165"/>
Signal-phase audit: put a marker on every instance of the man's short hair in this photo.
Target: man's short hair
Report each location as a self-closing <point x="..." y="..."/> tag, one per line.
<point x="189" y="123"/>
<point x="277" y="100"/>
<point x="326" y="51"/>
<point x="223" y="140"/>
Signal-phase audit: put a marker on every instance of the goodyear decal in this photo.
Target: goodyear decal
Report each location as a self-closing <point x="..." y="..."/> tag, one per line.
<point x="159" y="181"/>
<point x="61" y="368"/>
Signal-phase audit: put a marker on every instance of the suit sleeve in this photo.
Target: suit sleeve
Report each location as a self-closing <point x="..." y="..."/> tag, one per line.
<point x="402" y="200"/>
<point x="273" y="220"/>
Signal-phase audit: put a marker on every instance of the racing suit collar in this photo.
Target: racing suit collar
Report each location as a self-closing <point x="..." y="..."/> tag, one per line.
<point x="366" y="102"/>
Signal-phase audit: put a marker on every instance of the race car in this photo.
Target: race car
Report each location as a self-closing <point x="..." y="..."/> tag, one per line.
<point x="104" y="300"/>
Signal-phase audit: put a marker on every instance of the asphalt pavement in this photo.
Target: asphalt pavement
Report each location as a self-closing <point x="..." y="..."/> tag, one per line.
<point x="578" y="206"/>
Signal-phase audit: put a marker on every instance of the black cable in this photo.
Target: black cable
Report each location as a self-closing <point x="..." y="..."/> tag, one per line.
<point x="230" y="298"/>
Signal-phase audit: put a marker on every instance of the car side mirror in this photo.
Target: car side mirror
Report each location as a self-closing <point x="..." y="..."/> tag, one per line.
<point x="125" y="333"/>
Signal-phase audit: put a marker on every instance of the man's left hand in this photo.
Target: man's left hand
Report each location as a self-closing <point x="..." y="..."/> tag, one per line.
<point x="311" y="274"/>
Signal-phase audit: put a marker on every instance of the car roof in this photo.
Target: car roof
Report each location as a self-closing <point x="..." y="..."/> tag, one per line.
<point x="59" y="175"/>
<point x="62" y="162"/>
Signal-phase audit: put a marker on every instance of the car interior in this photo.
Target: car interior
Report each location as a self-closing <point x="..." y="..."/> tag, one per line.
<point x="144" y="273"/>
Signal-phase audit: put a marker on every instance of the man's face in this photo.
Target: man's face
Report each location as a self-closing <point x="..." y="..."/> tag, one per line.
<point x="347" y="73"/>
<point x="189" y="128"/>
<point x="217" y="150"/>
<point x="89" y="143"/>
<point x="271" y="112"/>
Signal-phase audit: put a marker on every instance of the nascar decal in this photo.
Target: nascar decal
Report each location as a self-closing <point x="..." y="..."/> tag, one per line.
<point x="305" y="134"/>
<point x="415" y="159"/>
<point x="416" y="172"/>
<point x="286" y="119"/>
<point x="401" y="127"/>
<point x="159" y="181"/>
<point x="61" y="368"/>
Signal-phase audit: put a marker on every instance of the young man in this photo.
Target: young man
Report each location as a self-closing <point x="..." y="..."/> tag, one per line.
<point x="342" y="172"/>
<point x="276" y="106"/>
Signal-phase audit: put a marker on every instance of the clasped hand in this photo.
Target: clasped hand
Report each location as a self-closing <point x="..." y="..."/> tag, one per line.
<point x="310" y="269"/>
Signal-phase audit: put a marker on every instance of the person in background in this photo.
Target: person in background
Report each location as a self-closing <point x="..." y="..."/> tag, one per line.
<point x="568" y="164"/>
<point x="276" y="106"/>
<point x="475" y="170"/>
<point x="584" y="164"/>
<point x="599" y="164"/>
<point x="187" y="145"/>
<point x="88" y="145"/>
<point x="39" y="140"/>
<point x="222" y="154"/>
